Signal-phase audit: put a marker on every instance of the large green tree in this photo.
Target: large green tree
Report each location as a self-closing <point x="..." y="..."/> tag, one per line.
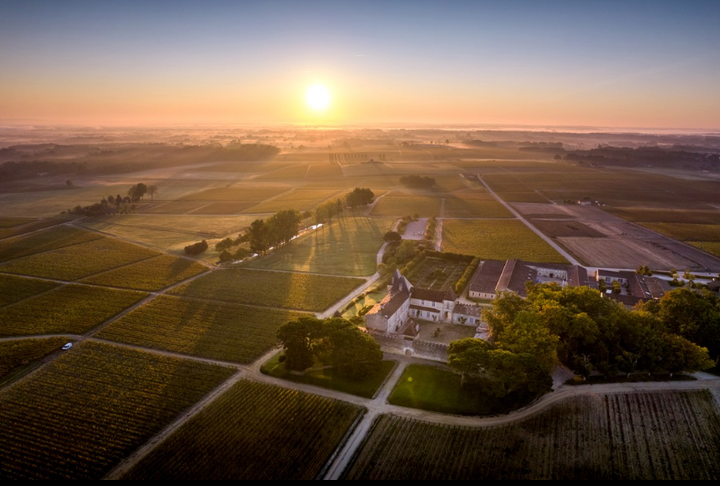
<point x="499" y="372"/>
<point x="337" y="342"/>
<point x="595" y="334"/>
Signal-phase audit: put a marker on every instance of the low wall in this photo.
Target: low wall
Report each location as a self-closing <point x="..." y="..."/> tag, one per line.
<point x="406" y="346"/>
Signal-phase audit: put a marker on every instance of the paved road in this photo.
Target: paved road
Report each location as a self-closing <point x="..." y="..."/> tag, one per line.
<point x="527" y="223"/>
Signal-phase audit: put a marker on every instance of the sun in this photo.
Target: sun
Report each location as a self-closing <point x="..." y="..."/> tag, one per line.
<point x="318" y="97"/>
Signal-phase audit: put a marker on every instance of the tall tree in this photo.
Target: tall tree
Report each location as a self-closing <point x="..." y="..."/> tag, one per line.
<point x="258" y="235"/>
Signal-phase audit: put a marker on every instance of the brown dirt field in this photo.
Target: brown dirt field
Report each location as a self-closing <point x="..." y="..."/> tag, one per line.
<point x="558" y="229"/>
<point x="659" y="253"/>
<point x="522" y="197"/>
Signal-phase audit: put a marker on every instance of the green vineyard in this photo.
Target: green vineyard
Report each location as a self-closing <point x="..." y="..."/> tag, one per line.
<point x="70" y="309"/>
<point x="253" y="431"/>
<point x="207" y="329"/>
<point x="82" y="414"/>
<point x="664" y="435"/>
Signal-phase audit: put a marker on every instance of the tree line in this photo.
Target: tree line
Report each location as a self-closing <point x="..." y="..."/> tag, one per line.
<point x="281" y="228"/>
<point x="589" y="334"/>
<point x="117" y="204"/>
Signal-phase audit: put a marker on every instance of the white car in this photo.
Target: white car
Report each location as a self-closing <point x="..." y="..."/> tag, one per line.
<point x="67" y="346"/>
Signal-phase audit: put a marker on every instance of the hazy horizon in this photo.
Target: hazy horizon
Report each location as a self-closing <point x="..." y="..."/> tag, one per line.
<point x="609" y="64"/>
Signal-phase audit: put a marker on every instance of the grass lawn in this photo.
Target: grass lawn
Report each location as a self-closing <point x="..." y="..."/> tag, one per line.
<point x="348" y="246"/>
<point x="437" y="390"/>
<point x="327" y="378"/>
<point x="497" y="240"/>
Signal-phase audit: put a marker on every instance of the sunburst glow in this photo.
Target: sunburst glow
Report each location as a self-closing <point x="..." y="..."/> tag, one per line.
<point x="318" y="97"/>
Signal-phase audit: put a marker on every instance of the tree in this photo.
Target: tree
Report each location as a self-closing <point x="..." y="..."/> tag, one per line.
<point x="406" y="251"/>
<point x="354" y="354"/>
<point x="392" y="237"/>
<point x="297" y="340"/>
<point x="137" y="192"/>
<point x="526" y="334"/>
<point x="152" y="190"/>
<point x="225" y="244"/>
<point x="681" y="355"/>
<point x="359" y="198"/>
<point x="197" y="248"/>
<point x="351" y="352"/>
<point x="258" y="236"/>
<point x="496" y="371"/>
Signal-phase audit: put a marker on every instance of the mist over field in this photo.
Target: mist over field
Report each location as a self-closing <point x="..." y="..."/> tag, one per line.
<point x="359" y="240"/>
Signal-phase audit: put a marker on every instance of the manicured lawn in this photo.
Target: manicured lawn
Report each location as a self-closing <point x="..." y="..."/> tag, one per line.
<point x="438" y="390"/>
<point x="348" y="246"/>
<point x="327" y="378"/>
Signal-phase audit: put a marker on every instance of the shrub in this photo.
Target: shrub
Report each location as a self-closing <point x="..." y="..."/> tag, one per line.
<point x="197" y="248"/>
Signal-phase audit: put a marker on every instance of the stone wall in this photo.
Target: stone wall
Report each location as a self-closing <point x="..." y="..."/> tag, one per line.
<point x="406" y="346"/>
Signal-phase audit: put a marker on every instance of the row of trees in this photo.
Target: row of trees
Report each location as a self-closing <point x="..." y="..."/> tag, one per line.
<point x="333" y="342"/>
<point x="280" y="229"/>
<point x="276" y="231"/>
<point x="117" y="204"/>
